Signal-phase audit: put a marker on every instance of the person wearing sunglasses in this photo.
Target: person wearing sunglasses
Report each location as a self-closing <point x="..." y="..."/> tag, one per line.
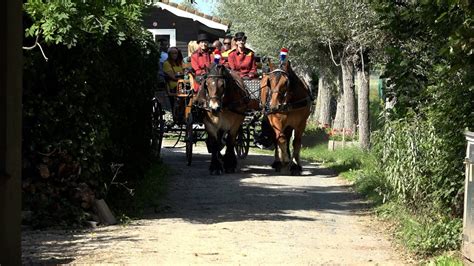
<point x="226" y="50"/>
<point x="242" y="59"/>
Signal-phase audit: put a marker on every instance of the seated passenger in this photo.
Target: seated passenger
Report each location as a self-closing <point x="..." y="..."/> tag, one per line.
<point x="226" y="50"/>
<point x="173" y="68"/>
<point x="242" y="59"/>
<point x="201" y="59"/>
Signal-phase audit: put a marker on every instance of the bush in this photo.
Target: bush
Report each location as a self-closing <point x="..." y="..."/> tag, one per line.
<point x="417" y="164"/>
<point x="85" y="108"/>
<point x="424" y="233"/>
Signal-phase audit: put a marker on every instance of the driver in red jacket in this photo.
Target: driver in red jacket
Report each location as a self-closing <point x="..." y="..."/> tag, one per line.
<point x="201" y="59"/>
<point x="242" y="59"/>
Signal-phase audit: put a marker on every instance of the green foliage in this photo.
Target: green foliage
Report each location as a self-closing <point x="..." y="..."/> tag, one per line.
<point x="446" y="260"/>
<point x="84" y="109"/>
<point x="429" y="61"/>
<point x="307" y="29"/>
<point x="423" y="233"/>
<point x="72" y="22"/>
<point x="341" y="160"/>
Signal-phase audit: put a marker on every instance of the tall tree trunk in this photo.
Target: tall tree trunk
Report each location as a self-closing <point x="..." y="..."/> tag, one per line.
<point x="363" y="105"/>
<point x="325" y="99"/>
<point x="339" y="119"/>
<point x="317" y="110"/>
<point x="347" y="69"/>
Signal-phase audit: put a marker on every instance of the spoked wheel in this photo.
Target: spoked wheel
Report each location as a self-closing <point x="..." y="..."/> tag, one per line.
<point x="157" y="127"/>
<point x="189" y="139"/>
<point x="242" y="142"/>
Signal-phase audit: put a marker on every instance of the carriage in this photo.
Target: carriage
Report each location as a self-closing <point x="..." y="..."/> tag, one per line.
<point x="186" y="118"/>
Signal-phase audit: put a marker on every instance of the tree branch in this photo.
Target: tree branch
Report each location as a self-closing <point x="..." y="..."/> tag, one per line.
<point x="39" y="45"/>
<point x="332" y="56"/>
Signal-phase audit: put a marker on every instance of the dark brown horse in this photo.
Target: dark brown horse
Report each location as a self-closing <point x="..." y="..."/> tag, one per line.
<point x="224" y="99"/>
<point x="287" y="102"/>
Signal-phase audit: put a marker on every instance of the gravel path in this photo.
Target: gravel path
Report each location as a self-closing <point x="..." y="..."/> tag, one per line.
<point x="251" y="217"/>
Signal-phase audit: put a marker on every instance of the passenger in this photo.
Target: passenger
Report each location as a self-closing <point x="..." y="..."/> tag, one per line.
<point x="173" y="69"/>
<point x="226" y="50"/>
<point x="192" y="47"/>
<point x="217" y="45"/>
<point x="201" y="59"/>
<point x="242" y="59"/>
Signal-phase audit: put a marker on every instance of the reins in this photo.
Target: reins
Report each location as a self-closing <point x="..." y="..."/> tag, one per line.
<point x="229" y="106"/>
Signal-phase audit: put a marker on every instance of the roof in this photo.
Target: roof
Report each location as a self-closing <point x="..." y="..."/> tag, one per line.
<point x="187" y="12"/>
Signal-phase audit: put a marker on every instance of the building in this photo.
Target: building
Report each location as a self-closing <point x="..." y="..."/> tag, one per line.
<point x="180" y="24"/>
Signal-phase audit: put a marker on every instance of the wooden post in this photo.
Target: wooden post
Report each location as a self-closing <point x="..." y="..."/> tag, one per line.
<point x="10" y="132"/>
<point x="105" y="215"/>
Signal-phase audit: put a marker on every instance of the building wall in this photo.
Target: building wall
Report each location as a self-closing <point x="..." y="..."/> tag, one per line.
<point x="186" y="29"/>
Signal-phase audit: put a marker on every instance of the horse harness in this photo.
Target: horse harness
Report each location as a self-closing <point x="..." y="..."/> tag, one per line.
<point x="229" y="106"/>
<point x="286" y="107"/>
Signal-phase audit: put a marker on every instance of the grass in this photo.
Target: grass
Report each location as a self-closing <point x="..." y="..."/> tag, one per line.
<point x="446" y="259"/>
<point x="425" y="235"/>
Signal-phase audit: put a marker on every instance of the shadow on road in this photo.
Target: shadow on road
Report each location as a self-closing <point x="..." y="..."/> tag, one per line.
<point x="256" y="192"/>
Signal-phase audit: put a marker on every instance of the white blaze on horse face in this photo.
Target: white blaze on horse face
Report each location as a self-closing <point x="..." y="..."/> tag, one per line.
<point x="214" y="104"/>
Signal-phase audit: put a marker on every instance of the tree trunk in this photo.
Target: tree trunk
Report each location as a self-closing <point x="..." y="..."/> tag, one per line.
<point x="339" y="119"/>
<point x="317" y="109"/>
<point x="347" y="69"/>
<point x="325" y="100"/>
<point x="363" y="105"/>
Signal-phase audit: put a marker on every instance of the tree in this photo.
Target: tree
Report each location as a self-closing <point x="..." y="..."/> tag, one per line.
<point x="429" y="64"/>
<point x="363" y="98"/>
<point x="85" y="108"/>
<point x="310" y="30"/>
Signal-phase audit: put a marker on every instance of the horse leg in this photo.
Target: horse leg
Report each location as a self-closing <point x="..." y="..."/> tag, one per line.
<point x="281" y="151"/>
<point x="277" y="165"/>
<point x="216" y="165"/>
<point x="230" y="160"/>
<point x="295" y="166"/>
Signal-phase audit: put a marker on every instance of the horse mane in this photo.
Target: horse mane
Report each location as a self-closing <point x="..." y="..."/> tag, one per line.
<point x="215" y="69"/>
<point x="296" y="81"/>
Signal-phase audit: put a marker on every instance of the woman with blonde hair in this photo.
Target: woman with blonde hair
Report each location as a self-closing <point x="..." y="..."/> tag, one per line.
<point x="192" y="47"/>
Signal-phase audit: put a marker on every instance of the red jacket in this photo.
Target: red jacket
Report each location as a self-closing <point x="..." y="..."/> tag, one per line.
<point x="200" y="61"/>
<point x="244" y="63"/>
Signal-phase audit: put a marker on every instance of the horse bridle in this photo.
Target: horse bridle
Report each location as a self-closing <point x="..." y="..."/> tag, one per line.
<point x="215" y="78"/>
<point x="281" y="71"/>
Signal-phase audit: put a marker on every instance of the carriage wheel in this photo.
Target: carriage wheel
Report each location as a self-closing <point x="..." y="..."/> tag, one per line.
<point x="242" y="142"/>
<point x="189" y="139"/>
<point x="157" y="127"/>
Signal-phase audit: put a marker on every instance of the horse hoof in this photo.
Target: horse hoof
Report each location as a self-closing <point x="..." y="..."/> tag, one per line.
<point x="215" y="172"/>
<point x="277" y="166"/>
<point x="295" y="172"/>
<point x="295" y="169"/>
<point x="230" y="171"/>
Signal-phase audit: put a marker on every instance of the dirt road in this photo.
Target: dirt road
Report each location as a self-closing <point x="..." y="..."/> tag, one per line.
<point x="251" y="217"/>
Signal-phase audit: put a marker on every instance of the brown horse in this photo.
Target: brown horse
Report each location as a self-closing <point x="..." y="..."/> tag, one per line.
<point x="286" y="101"/>
<point x="224" y="99"/>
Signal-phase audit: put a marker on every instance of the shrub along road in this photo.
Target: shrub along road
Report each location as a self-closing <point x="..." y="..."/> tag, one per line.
<point x="254" y="216"/>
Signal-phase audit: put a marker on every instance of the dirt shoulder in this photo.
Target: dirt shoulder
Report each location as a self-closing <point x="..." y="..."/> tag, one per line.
<point x="254" y="216"/>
